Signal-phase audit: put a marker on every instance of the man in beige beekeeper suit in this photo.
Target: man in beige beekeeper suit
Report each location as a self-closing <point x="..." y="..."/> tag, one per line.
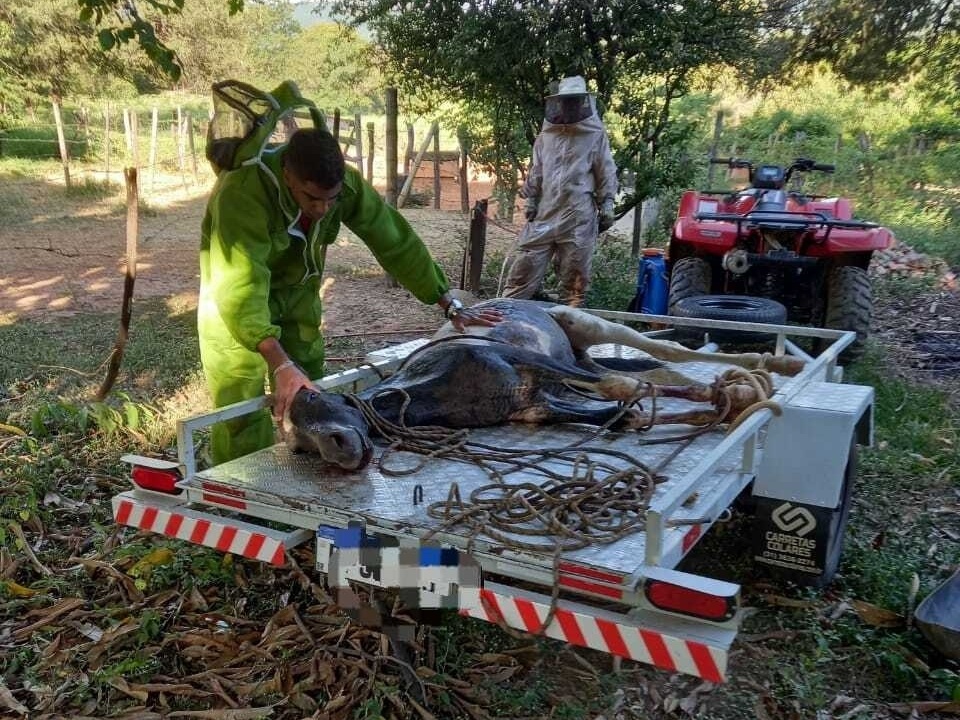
<point x="572" y="177"/>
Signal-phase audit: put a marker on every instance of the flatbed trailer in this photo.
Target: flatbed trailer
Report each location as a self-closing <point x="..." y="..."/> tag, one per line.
<point x="625" y="597"/>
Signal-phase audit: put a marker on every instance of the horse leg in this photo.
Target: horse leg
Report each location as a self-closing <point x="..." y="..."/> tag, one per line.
<point x="550" y="410"/>
<point x="585" y="330"/>
<point x="734" y="391"/>
<point x="654" y="371"/>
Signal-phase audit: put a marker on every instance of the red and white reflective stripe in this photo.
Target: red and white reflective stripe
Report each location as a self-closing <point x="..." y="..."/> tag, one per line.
<point x="573" y="576"/>
<point x="691" y="537"/>
<point x="617" y="637"/>
<point x="201" y="531"/>
<point x="224" y="495"/>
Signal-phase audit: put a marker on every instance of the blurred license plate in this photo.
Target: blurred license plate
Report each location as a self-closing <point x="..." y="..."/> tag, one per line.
<point x="426" y="574"/>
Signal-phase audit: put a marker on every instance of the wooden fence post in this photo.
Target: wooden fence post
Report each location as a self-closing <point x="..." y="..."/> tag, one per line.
<point x="436" y="166"/>
<point x="85" y="122"/>
<point x="192" y="146"/>
<point x="336" y="123"/>
<point x="126" y="131"/>
<point x="154" y="124"/>
<point x="464" y="142"/>
<point x="106" y="141"/>
<point x="181" y="149"/>
<point x="408" y="183"/>
<point x="62" y="141"/>
<point x="717" y="130"/>
<point x="836" y="160"/>
<point x="134" y="140"/>
<point x="370" y="152"/>
<point x="358" y="137"/>
<point x="391" y="146"/>
<point x="408" y="155"/>
<point x="473" y="253"/>
<point x="391" y="156"/>
<point x="180" y="146"/>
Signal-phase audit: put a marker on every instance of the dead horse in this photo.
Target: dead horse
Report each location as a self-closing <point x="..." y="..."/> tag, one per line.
<point x="520" y="370"/>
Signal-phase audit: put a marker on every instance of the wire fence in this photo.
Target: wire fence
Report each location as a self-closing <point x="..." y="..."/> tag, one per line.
<point x="167" y="145"/>
<point x="159" y="143"/>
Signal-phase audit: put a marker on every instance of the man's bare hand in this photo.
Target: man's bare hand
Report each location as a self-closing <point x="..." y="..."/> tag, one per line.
<point x="287" y="383"/>
<point x="483" y="317"/>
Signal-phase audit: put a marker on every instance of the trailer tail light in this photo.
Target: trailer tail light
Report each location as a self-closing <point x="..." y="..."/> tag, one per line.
<point x="686" y="601"/>
<point x="156" y="479"/>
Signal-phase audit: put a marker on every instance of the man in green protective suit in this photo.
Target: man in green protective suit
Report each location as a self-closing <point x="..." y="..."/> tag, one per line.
<point x="264" y="240"/>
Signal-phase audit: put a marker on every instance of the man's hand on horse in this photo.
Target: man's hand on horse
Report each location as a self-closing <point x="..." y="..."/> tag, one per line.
<point x="483" y="317"/>
<point x="287" y="379"/>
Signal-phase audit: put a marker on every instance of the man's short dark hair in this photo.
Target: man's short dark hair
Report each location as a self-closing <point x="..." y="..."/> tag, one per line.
<point x="314" y="155"/>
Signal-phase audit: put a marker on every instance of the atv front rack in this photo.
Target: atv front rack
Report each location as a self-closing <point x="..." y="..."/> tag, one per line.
<point x="784" y="219"/>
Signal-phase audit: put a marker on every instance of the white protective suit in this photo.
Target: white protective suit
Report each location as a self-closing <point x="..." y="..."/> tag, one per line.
<point x="572" y="177"/>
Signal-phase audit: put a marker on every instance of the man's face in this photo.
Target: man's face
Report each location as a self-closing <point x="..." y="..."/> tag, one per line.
<point x="314" y="200"/>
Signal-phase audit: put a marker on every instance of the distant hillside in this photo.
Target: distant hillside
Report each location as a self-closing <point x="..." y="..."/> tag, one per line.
<point x="303" y="13"/>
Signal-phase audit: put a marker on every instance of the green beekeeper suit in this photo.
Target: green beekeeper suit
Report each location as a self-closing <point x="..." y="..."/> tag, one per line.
<point x="260" y="277"/>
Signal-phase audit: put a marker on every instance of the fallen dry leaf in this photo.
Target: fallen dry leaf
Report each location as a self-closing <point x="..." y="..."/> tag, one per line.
<point x="120" y="684"/>
<point x="230" y="714"/>
<point x="48" y="616"/>
<point x="877" y="616"/>
<point x="10" y="702"/>
<point x="17" y="590"/>
<point x="788" y="602"/>
<point x="925" y="706"/>
<point x="145" y="565"/>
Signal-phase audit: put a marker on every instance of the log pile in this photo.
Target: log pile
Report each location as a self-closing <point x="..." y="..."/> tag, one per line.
<point x="901" y="260"/>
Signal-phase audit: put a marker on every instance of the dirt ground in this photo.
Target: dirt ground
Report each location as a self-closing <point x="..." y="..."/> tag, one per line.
<point x="68" y="256"/>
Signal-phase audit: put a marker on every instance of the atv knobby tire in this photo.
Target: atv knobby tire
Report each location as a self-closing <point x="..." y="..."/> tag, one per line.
<point x="739" y="308"/>
<point x="849" y="306"/>
<point x="690" y="277"/>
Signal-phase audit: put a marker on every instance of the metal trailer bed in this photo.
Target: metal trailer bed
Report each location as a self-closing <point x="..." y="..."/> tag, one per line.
<point x="624" y="597"/>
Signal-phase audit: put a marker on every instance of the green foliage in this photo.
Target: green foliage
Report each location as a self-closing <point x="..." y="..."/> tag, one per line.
<point x="214" y="43"/>
<point x="64" y="417"/>
<point x="614" y="277"/>
<point x="334" y="67"/>
<point x="40" y="143"/>
<point x="498" y="60"/>
<point x="787" y="123"/>
<point x="876" y="42"/>
<point x="46" y="50"/>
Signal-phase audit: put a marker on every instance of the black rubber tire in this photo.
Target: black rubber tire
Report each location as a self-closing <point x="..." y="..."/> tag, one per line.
<point x="741" y="308"/>
<point x="849" y="307"/>
<point x="690" y="277"/>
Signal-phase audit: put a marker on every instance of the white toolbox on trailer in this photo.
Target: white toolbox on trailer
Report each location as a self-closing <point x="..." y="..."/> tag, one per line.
<point x="625" y="597"/>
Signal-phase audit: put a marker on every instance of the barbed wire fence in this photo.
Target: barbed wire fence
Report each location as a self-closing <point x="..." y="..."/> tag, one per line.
<point x="161" y="143"/>
<point x="95" y="142"/>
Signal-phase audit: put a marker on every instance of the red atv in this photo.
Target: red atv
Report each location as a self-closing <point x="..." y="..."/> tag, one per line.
<point x="770" y="252"/>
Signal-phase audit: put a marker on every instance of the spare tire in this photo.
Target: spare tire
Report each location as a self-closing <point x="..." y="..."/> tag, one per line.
<point x="739" y="308"/>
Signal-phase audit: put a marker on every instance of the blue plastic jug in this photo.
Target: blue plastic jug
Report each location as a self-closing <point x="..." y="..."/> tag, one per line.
<point x="653" y="285"/>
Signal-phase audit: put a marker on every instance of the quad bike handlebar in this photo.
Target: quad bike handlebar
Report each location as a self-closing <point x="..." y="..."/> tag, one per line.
<point x="799" y="164"/>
